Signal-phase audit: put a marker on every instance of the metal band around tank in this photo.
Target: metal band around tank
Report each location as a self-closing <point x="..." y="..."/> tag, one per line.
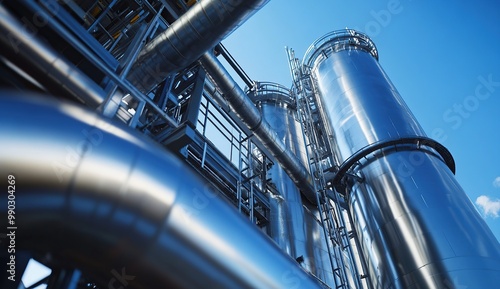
<point x="418" y="140"/>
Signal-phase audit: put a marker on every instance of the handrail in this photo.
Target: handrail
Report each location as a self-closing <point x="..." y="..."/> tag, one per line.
<point x="339" y="40"/>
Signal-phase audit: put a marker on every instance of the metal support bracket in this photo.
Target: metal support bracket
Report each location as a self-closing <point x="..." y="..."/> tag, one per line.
<point x="416" y="140"/>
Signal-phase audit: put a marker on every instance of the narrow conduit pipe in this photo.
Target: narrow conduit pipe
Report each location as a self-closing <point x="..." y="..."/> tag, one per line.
<point x="29" y="51"/>
<point x="102" y="198"/>
<point x="244" y="108"/>
<point x="61" y="76"/>
<point x="195" y="32"/>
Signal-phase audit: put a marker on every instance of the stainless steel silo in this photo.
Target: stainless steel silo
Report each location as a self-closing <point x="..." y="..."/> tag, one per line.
<point x="417" y="227"/>
<point x="294" y="223"/>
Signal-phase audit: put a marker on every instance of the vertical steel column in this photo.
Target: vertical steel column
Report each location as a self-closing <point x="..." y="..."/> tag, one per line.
<point x="418" y="228"/>
<point x="193" y="107"/>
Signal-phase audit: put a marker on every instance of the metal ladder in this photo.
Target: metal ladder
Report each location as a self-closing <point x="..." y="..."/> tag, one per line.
<point x="246" y="178"/>
<point x="331" y="213"/>
<point x="327" y="211"/>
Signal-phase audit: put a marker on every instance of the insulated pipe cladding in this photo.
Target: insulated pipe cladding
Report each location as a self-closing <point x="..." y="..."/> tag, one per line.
<point x="202" y="27"/>
<point x="198" y="30"/>
<point x="239" y="102"/>
<point x="100" y="197"/>
<point x="417" y="227"/>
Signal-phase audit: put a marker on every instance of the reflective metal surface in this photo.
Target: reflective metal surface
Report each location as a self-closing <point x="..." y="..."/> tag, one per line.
<point x="103" y="198"/>
<point x="32" y="54"/>
<point x="360" y="103"/>
<point x="417" y="227"/>
<point x="251" y="116"/>
<point x="293" y="227"/>
<point x="195" y="32"/>
<point x="57" y="74"/>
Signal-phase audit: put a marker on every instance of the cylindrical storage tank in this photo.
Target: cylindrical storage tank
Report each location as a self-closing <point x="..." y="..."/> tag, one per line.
<point x="293" y="223"/>
<point x="417" y="227"/>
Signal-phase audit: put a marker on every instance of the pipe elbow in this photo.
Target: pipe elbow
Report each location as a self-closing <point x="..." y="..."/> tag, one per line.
<point x="98" y="195"/>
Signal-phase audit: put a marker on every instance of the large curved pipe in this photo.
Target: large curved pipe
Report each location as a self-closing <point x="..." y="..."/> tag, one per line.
<point x="103" y="198"/>
<point x="241" y="104"/>
<point x="195" y="32"/>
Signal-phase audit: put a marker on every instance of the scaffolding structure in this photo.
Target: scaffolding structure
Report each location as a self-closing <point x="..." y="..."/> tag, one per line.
<point x="229" y="196"/>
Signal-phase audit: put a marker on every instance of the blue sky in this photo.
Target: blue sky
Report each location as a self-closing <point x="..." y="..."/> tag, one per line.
<point x="444" y="58"/>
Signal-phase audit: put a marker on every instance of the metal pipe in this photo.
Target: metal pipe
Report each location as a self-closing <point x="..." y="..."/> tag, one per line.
<point x="293" y="226"/>
<point x="252" y="118"/>
<point x="198" y="30"/>
<point x="61" y="72"/>
<point x="416" y="226"/>
<point x="235" y="65"/>
<point x="105" y="198"/>
<point x="33" y="53"/>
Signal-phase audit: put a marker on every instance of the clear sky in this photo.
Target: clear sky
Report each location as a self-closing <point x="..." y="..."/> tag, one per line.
<point x="444" y="58"/>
